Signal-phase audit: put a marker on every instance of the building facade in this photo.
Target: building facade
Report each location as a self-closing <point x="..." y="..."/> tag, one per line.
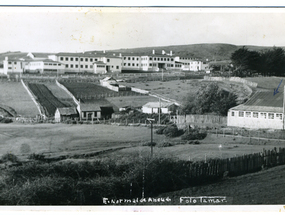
<point x="262" y="111"/>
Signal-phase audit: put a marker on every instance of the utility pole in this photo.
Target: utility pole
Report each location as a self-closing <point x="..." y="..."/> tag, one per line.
<point x="159" y="110"/>
<point x="151" y="135"/>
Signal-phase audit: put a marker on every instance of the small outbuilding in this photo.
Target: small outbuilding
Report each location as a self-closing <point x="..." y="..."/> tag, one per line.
<point x="65" y="113"/>
<point x="154" y="107"/>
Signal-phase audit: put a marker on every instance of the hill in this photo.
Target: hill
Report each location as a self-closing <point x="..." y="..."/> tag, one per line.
<point x="211" y="51"/>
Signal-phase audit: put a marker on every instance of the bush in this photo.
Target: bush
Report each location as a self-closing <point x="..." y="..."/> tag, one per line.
<point x="165" y="144"/>
<point x="34" y="156"/>
<point x="149" y="144"/>
<point x="160" y="130"/>
<point x="172" y="131"/>
<point x="9" y="157"/>
<point x="194" y="134"/>
<point x="6" y="120"/>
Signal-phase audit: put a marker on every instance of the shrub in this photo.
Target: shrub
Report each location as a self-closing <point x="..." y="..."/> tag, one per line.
<point x="160" y="130"/>
<point x="194" y="134"/>
<point x="149" y="144"/>
<point x="9" y="157"/>
<point x="6" y="120"/>
<point x="34" y="156"/>
<point x="165" y="144"/>
<point x="172" y="131"/>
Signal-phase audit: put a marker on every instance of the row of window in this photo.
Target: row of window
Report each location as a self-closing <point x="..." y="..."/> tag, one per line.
<point x="77" y="66"/>
<point x="258" y="115"/>
<point x="51" y="64"/>
<point x="151" y="58"/>
<point x="81" y="59"/>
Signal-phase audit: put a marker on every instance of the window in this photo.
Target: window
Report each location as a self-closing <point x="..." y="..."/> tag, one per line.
<point x="66" y="58"/>
<point x="263" y="115"/>
<point x="91" y="67"/>
<point x="124" y="58"/>
<point x="155" y="58"/>
<point x="137" y="64"/>
<point x="96" y="59"/>
<point x="133" y="58"/>
<point x="71" y="66"/>
<point x="76" y="66"/>
<point x="150" y="64"/>
<point x="71" y="59"/>
<point x="9" y="62"/>
<point x="171" y="59"/>
<point x="241" y="114"/>
<point x="129" y="64"/>
<point x="279" y="115"/>
<point x="233" y="113"/>
<point x="129" y="58"/>
<point x="117" y="67"/>
<point x="158" y="58"/>
<point x="133" y="64"/>
<point x="137" y="58"/>
<point x="81" y="66"/>
<point x="66" y="66"/>
<point x="255" y="114"/>
<point x="91" y="60"/>
<point x="86" y="59"/>
<point x="81" y="59"/>
<point x="270" y="115"/>
<point x="86" y="66"/>
<point x="248" y="114"/>
<point x="108" y="60"/>
<point x="76" y="59"/>
<point x="124" y="64"/>
<point x="150" y="58"/>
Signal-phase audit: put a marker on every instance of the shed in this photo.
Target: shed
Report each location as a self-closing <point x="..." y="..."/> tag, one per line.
<point x="154" y="107"/>
<point x="62" y="114"/>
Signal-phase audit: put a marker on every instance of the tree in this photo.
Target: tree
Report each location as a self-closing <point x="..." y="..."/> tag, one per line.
<point x="245" y="62"/>
<point x="211" y="99"/>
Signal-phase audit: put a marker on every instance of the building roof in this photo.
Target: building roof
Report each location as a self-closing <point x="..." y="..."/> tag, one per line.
<point x="90" y="107"/>
<point x="87" y="54"/>
<point x="158" y="104"/>
<point x="67" y="111"/>
<point x="263" y="102"/>
<point x="108" y="79"/>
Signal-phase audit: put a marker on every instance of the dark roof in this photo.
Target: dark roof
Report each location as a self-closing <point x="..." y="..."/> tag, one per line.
<point x="263" y="102"/>
<point x="87" y="54"/>
<point x="66" y="111"/>
<point x="266" y="99"/>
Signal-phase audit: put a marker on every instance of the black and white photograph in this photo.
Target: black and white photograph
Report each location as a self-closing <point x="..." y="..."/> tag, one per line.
<point x="142" y="107"/>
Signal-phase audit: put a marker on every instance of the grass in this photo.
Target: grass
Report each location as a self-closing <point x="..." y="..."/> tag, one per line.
<point x="264" y="187"/>
<point x="179" y="89"/>
<point x="14" y="95"/>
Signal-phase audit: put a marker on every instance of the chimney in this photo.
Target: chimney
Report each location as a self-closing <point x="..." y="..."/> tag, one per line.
<point x="163" y="52"/>
<point x="120" y="55"/>
<point x="153" y="51"/>
<point x="170" y="53"/>
<point x="6" y="58"/>
<point x="104" y="51"/>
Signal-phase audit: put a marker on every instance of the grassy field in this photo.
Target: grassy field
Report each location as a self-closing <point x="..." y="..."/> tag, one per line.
<point x="179" y="89"/>
<point x="13" y="94"/>
<point x="62" y="139"/>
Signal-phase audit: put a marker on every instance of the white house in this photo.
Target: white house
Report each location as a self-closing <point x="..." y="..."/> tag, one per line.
<point x="154" y="107"/>
<point x="99" y="67"/>
<point x="41" y="66"/>
<point x="263" y="111"/>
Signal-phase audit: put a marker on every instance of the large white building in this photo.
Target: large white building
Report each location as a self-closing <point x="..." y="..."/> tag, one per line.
<point x="263" y="111"/>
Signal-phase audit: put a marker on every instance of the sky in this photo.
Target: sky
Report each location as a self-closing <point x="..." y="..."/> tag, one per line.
<point x="78" y="29"/>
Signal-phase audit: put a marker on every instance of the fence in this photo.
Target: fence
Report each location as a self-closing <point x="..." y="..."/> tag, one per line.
<point x="217" y="168"/>
<point x="183" y="121"/>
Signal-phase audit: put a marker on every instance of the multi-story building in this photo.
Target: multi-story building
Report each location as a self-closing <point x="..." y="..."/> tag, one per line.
<point x="84" y="62"/>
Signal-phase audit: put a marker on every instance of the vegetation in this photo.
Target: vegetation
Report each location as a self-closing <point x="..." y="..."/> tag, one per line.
<point x="68" y="183"/>
<point x="267" y="63"/>
<point x="170" y="131"/>
<point x="5" y="120"/>
<point x="46" y="98"/>
<point x="211" y="99"/>
<point x="194" y="134"/>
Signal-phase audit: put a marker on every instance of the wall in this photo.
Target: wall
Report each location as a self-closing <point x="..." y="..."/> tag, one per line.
<point x="256" y="123"/>
<point x="233" y="79"/>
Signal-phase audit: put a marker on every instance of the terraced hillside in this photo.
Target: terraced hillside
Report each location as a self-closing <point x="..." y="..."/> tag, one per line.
<point x="47" y="100"/>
